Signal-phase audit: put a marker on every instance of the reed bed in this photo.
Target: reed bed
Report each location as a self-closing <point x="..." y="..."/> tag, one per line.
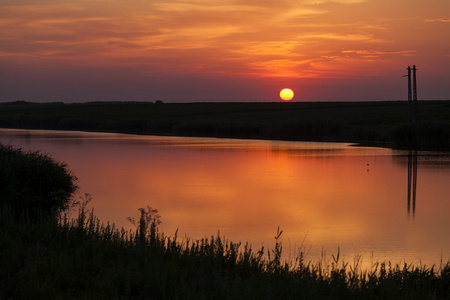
<point x="48" y="254"/>
<point x="81" y="258"/>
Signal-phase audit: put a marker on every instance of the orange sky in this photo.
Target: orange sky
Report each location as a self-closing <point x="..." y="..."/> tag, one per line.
<point x="229" y="50"/>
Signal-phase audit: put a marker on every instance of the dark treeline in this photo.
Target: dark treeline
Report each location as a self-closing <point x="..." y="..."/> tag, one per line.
<point x="378" y="123"/>
<point x="44" y="254"/>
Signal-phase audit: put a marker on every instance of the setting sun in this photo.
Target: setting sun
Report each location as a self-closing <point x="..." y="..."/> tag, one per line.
<point x="286" y="94"/>
<point x="220" y="51"/>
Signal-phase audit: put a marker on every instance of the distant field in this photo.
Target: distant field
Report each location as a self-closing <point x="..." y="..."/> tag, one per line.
<point x="366" y="122"/>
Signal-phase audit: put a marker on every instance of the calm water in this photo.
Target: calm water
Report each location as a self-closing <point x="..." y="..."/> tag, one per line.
<point x="380" y="203"/>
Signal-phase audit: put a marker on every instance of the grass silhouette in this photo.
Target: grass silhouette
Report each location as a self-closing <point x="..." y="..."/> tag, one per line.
<point x="82" y="258"/>
<point x="54" y="256"/>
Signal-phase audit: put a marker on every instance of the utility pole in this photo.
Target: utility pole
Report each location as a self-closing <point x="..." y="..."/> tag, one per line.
<point x="410" y="113"/>
<point x="412" y="157"/>
<point x="412" y="94"/>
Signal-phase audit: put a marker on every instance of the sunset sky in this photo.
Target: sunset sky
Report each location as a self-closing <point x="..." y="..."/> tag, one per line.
<point x="228" y="50"/>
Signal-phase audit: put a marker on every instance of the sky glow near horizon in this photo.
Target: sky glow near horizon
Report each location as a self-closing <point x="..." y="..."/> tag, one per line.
<point x="203" y="50"/>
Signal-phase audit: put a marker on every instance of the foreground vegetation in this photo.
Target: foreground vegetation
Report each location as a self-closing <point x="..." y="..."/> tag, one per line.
<point x="52" y="256"/>
<point x="365" y="122"/>
<point x="86" y="260"/>
<point x="32" y="182"/>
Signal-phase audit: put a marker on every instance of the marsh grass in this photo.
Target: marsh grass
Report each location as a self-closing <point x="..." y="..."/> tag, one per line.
<point x="54" y="255"/>
<point x="424" y="135"/>
<point x="82" y="258"/>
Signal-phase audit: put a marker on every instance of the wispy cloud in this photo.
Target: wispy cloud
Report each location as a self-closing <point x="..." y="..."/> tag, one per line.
<point x="437" y="20"/>
<point x="341" y="37"/>
<point x="333" y="1"/>
<point x="377" y="53"/>
<point x="252" y="38"/>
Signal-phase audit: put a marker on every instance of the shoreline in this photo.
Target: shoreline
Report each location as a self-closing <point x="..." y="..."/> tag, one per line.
<point x="388" y="145"/>
<point x="379" y="124"/>
<point x="350" y="143"/>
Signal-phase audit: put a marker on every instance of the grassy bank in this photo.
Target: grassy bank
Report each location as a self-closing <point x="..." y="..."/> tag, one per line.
<point x="86" y="260"/>
<point x="45" y="254"/>
<point x="364" y="122"/>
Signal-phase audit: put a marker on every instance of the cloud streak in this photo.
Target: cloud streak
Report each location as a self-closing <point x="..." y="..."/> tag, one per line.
<point x="236" y="39"/>
<point x="437" y="20"/>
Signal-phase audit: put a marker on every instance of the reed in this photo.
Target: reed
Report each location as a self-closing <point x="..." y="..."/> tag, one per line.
<point x="80" y="258"/>
<point x="60" y="256"/>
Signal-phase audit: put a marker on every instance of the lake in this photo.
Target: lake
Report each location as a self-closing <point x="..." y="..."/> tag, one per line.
<point x="380" y="203"/>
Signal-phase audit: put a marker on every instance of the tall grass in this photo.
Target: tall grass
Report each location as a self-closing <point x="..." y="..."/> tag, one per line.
<point x="424" y="135"/>
<point x="84" y="259"/>
<point x="60" y="257"/>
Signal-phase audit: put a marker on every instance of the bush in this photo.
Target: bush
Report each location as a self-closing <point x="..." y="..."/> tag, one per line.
<point x="34" y="183"/>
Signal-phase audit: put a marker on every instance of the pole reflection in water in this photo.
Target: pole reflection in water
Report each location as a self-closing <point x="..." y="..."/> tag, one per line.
<point x="319" y="194"/>
<point x="412" y="178"/>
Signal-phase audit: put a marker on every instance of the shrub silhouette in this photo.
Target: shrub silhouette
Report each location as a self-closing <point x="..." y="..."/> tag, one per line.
<point x="34" y="183"/>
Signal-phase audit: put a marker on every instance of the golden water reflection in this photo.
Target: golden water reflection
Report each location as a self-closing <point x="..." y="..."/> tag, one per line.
<point x="323" y="196"/>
